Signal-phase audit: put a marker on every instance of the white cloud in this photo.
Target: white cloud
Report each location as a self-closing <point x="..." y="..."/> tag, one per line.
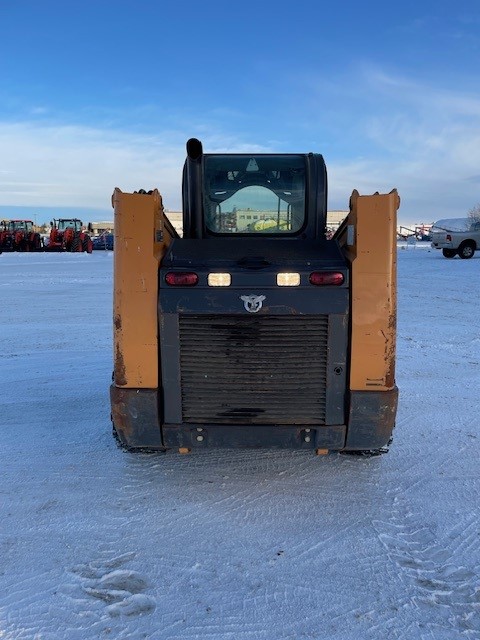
<point x="410" y="134"/>
<point x="46" y="165"/>
<point x="80" y="166"/>
<point x="379" y="130"/>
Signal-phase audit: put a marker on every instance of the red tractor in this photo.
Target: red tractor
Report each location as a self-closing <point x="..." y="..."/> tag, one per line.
<point x="19" y="235"/>
<point x="3" y="235"/>
<point x="67" y="234"/>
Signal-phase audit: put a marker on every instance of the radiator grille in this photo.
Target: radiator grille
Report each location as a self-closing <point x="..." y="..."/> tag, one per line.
<point x="255" y="369"/>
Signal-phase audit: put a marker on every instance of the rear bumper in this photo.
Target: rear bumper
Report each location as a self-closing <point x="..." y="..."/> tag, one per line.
<point x="254" y="436"/>
<point x="136" y="419"/>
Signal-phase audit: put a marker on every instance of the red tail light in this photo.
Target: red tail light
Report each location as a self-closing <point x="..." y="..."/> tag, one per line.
<point x="324" y="278"/>
<point x="449" y="238"/>
<point x="181" y="278"/>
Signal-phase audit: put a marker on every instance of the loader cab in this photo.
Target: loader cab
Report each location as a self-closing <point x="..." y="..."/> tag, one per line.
<point x="262" y="195"/>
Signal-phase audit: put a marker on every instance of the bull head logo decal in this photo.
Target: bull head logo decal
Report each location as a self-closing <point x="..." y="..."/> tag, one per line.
<point x="252" y="304"/>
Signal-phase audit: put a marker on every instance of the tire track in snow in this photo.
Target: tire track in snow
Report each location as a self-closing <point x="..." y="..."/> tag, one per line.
<point x="468" y="541"/>
<point x="104" y="589"/>
<point x="446" y="601"/>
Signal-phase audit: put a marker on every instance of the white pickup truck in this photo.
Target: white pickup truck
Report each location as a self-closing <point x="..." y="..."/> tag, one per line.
<point x="456" y="236"/>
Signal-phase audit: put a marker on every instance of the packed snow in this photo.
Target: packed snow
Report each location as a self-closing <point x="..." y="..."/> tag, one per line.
<point x="233" y="544"/>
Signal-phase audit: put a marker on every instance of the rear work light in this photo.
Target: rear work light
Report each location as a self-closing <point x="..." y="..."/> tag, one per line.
<point x="219" y="279"/>
<point x="324" y="278"/>
<point x="288" y="279"/>
<point x="181" y="278"/>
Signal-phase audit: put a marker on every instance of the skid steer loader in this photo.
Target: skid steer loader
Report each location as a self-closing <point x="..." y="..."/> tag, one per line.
<point x="253" y="329"/>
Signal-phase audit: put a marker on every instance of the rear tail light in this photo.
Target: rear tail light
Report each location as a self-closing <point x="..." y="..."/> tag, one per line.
<point x="449" y="237"/>
<point x="181" y="278"/>
<point x="325" y="278"/>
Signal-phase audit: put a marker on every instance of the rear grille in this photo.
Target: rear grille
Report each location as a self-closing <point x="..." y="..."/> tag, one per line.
<point x="255" y="369"/>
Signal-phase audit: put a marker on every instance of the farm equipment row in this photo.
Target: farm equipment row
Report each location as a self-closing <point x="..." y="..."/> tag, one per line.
<point x="66" y="234"/>
<point x="19" y="235"/>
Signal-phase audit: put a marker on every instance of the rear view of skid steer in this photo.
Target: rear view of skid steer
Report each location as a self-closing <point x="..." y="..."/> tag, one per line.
<point x="253" y="329"/>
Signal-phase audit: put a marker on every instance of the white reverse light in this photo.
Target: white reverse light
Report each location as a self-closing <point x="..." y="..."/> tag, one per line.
<point x="219" y="279"/>
<point x="288" y="279"/>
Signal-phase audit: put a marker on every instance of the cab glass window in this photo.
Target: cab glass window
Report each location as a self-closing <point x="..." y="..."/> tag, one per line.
<point x="262" y="194"/>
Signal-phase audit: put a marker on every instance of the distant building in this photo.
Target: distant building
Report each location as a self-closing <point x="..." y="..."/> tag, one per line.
<point x="335" y="219"/>
<point x="101" y="227"/>
<point x="176" y="218"/>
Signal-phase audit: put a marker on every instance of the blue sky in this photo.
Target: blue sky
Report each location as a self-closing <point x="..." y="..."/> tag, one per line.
<point x="97" y="95"/>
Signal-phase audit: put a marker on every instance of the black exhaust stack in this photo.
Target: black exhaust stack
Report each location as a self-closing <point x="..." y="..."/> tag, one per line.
<point x="192" y="190"/>
<point x="194" y="149"/>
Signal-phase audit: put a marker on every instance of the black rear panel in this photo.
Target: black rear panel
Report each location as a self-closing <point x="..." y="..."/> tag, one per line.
<point x="253" y="369"/>
<point x="283" y="364"/>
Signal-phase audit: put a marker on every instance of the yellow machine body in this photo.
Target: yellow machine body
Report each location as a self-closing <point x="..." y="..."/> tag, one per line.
<point x="143" y="236"/>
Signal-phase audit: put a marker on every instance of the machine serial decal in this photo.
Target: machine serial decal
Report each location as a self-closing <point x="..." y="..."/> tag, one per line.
<point x="252" y="304"/>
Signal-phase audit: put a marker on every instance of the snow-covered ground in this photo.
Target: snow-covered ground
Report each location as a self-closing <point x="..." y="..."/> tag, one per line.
<point x="237" y="545"/>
